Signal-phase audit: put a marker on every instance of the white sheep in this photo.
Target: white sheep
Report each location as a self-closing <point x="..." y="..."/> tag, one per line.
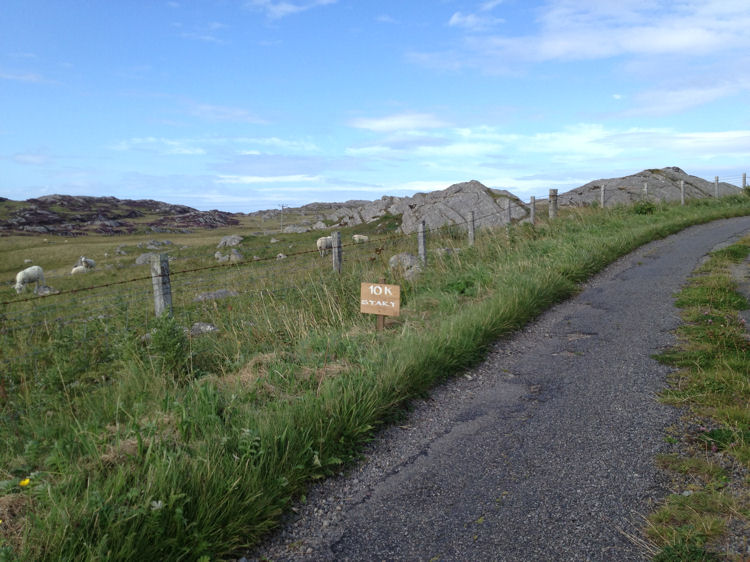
<point x="88" y="263"/>
<point x="360" y="238"/>
<point x="78" y="269"/>
<point x="324" y="244"/>
<point x="33" y="274"/>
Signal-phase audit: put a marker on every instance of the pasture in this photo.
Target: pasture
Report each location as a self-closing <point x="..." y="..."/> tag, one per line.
<point x="125" y="437"/>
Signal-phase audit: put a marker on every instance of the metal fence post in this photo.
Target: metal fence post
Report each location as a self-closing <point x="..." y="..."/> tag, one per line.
<point x="337" y="253"/>
<point x="162" y="286"/>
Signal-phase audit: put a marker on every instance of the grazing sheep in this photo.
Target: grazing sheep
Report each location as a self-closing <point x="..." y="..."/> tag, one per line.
<point x="360" y="238"/>
<point x="78" y="269"/>
<point x="86" y="262"/>
<point x="33" y="274"/>
<point x="324" y="244"/>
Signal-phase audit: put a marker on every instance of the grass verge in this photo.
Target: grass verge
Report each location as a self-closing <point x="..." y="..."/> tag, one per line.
<point x="708" y="517"/>
<point x="182" y="447"/>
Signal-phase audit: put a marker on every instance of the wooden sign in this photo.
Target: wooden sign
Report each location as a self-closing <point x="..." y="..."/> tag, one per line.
<point x="379" y="298"/>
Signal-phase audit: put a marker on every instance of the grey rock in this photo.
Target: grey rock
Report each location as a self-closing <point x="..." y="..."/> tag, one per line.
<point x="215" y="295"/>
<point x="235" y="256"/>
<point x="296" y="229"/>
<point x="145" y="259"/>
<point x="280" y="256"/>
<point x="406" y="265"/>
<point x="663" y="185"/>
<point x="201" y="328"/>
<point x="232" y="240"/>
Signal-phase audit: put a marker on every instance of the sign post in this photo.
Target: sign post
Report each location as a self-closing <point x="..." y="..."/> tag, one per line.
<point x="380" y="299"/>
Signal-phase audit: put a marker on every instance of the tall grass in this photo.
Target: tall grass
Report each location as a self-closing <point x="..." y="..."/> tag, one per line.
<point x="172" y="446"/>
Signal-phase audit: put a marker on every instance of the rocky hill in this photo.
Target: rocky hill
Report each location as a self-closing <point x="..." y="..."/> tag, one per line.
<point x="69" y="215"/>
<point x="662" y="185"/>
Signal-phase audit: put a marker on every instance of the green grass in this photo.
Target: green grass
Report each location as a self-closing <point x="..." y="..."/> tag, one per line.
<point x="173" y="446"/>
<point x="713" y="385"/>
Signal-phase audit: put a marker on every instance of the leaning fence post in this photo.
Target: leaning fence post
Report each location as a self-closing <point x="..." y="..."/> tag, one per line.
<point x="552" y="203"/>
<point x="162" y="286"/>
<point x="422" y="243"/>
<point x="336" y="247"/>
<point x="471" y="228"/>
<point x="716" y="186"/>
<point x="532" y="204"/>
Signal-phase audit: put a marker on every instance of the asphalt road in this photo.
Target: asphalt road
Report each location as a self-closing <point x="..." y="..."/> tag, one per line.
<point x="543" y="452"/>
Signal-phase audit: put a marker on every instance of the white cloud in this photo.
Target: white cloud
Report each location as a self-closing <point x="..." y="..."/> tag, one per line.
<point x="224" y="113"/>
<point x="29" y="77"/>
<point x="279" y="9"/>
<point x="398" y="122"/>
<point x="473" y="22"/>
<point x="293" y="178"/>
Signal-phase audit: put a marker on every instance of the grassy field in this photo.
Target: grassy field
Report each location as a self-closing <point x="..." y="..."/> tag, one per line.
<point x="119" y="445"/>
<point x="708" y="517"/>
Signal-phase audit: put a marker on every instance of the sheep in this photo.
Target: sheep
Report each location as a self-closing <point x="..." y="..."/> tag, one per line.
<point x="324" y="244"/>
<point x="78" y="269"/>
<point x="33" y="274"/>
<point x="360" y="238"/>
<point x="88" y="263"/>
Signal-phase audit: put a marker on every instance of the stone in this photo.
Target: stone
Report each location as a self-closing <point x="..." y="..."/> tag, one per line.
<point x="232" y="240"/>
<point x="406" y="265"/>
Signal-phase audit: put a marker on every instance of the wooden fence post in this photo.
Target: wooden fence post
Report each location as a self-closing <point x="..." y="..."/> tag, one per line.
<point x="601" y="196"/>
<point x="744" y="180"/>
<point x="509" y="216"/>
<point x="422" y="243"/>
<point x="716" y="187"/>
<point x="552" y="203"/>
<point x="645" y="190"/>
<point x="682" y="192"/>
<point x="337" y="253"/>
<point x="471" y="228"/>
<point x="162" y="286"/>
<point x="532" y="204"/>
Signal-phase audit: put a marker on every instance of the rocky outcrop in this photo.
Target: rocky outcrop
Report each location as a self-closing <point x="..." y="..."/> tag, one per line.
<point x="662" y="185"/>
<point x="439" y="208"/>
<point x="69" y="215"/>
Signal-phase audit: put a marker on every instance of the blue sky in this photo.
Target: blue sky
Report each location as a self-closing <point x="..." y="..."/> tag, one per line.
<point x="246" y="105"/>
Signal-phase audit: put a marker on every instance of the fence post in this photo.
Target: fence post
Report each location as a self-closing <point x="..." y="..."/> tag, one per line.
<point x="601" y="196"/>
<point x="162" y="286"/>
<point x="682" y="192"/>
<point x="532" y="204"/>
<point x="422" y="243"/>
<point x="645" y="190"/>
<point x="471" y="228"/>
<point x="744" y="180"/>
<point x="336" y="247"/>
<point x="716" y="187"/>
<point x="552" y="203"/>
<point x="509" y="216"/>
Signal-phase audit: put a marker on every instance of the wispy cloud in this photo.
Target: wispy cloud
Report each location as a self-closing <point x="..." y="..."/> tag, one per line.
<point x="30" y="77"/>
<point x="292" y="178"/>
<point x="398" y="122"/>
<point x="224" y="113"/>
<point x="277" y="9"/>
<point x="473" y="22"/>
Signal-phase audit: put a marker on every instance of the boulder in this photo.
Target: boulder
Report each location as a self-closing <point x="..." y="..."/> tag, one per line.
<point x="406" y="265"/>
<point x="232" y="240"/>
<point x="145" y="259"/>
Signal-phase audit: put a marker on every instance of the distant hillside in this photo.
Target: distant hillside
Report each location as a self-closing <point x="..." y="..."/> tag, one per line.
<point x="69" y="215"/>
<point x="76" y="215"/>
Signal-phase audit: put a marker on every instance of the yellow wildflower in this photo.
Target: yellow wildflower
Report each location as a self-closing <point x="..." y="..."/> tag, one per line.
<point x="24" y="482"/>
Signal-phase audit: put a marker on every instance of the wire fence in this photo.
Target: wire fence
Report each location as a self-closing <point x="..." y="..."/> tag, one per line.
<point x="65" y="333"/>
